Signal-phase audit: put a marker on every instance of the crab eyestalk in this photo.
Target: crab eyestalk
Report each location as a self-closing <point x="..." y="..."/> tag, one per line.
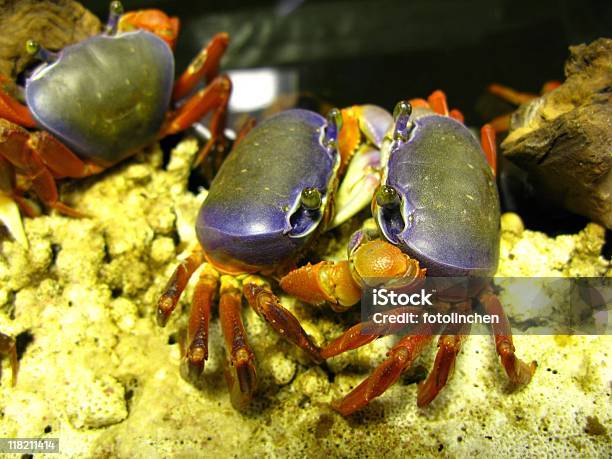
<point x="387" y="196"/>
<point x="401" y="116"/>
<point x="114" y="14"/>
<point x="311" y="199"/>
<point x="34" y="49"/>
<point x="332" y="129"/>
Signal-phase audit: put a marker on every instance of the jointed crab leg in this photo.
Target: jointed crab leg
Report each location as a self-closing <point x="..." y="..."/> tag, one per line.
<point x="196" y="352"/>
<point x="365" y="332"/>
<point x="487" y="141"/>
<point x="267" y="306"/>
<point x="40" y="158"/>
<point x="400" y="358"/>
<point x="240" y="373"/>
<point x="449" y="346"/>
<point x="204" y="65"/>
<point x="8" y="347"/>
<point x="213" y="97"/>
<point x="177" y="283"/>
<point x="518" y="371"/>
<point x="12" y="110"/>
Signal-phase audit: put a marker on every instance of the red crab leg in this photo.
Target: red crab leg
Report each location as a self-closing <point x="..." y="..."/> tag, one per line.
<point x="204" y="65"/>
<point x="177" y="283"/>
<point x="518" y="371"/>
<point x="13" y="111"/>
<point x="449" y="346"/>
<point x="240" y="373"/>
<point x="267" y="305"/>
<point x="197" y="331"/>
<point x="400" y="358"/>
<point x="364" y="333"/>
<point x="8" y="347"/>
<point x="437" y="102"/>
<point x="59" y="159"/>
<point x="26" y="153"/>
<point x="510" y="95"/>
<point x="244" y="130"/>
<point x="456" y="114"/>
<point x="155" y="21"/>
<point x="418" y="102"/>
<point x="213" y="97"/>
<point x="487" y="140"/>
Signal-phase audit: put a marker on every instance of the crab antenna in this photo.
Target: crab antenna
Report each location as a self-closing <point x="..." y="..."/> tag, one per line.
<point x="403" y="125"/>
<point x="115" y="12"/>
<point x="334" y="124"/>
<point x="34" y="49"/>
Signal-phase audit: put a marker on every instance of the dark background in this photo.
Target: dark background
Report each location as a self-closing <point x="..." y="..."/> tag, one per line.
<point x="351" y="52"/>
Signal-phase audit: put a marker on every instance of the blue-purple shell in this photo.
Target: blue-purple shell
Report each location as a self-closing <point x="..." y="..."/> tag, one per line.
<point x="449" y="214"/>
<point x="252" y="217"/>
<point x="106" y="96"/>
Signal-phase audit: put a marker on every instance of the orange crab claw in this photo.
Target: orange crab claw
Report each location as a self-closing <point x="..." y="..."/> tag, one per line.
<point x="155" y="21"/>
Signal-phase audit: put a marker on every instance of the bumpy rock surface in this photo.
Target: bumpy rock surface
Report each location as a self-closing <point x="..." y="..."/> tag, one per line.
<point x="99" y="374"/>
<point x="53" y="23"/>
<point x="564" y="138"/>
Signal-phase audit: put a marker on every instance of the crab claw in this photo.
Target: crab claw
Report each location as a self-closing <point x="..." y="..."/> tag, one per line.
<point x="361" y="180"/>
<point x="11" y="218"/>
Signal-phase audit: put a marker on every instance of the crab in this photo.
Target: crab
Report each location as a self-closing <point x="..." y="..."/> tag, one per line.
<point x="272" y="196"/>
<point x="436" y="214"/>
<point x="99" y="101"/>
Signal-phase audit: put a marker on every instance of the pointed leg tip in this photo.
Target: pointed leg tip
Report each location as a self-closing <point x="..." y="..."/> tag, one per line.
<point x="192" y="371"/>
<point x="161" y="316"/>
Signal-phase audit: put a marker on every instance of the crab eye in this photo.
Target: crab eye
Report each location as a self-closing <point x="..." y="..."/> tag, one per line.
<point x="387" y="196"/>
<point x="311" y="198"/>
<point x="116" y="7"/>
<point x="32" y="47"/>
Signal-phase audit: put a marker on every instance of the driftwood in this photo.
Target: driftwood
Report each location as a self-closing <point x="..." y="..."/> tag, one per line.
<point x="54" y="24"/>
<point x="564" y="138"/>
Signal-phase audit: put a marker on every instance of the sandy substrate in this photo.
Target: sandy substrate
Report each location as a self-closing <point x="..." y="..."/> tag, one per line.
<point x="98" y="373"/>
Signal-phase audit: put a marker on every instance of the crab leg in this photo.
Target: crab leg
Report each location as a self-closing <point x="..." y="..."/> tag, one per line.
<point x="518" y="371"/>
<point x="437" y="102"/>
<point x="267" y="305"/>
<point x="365" y="332"/>
<point x="27" y="153"/>
<point x="199" y="316"/>
<point x="177" y="283"/>
<point x="487" y="140"/>
<point x="240" y="373"/>
<point x="204" y="65"/>
<point x="12" y="110"/>
<point x="213" y="97"/>
<point x="400" y="358"/>
<point x="9" y="347"/>
<point x="449" y="346"/>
